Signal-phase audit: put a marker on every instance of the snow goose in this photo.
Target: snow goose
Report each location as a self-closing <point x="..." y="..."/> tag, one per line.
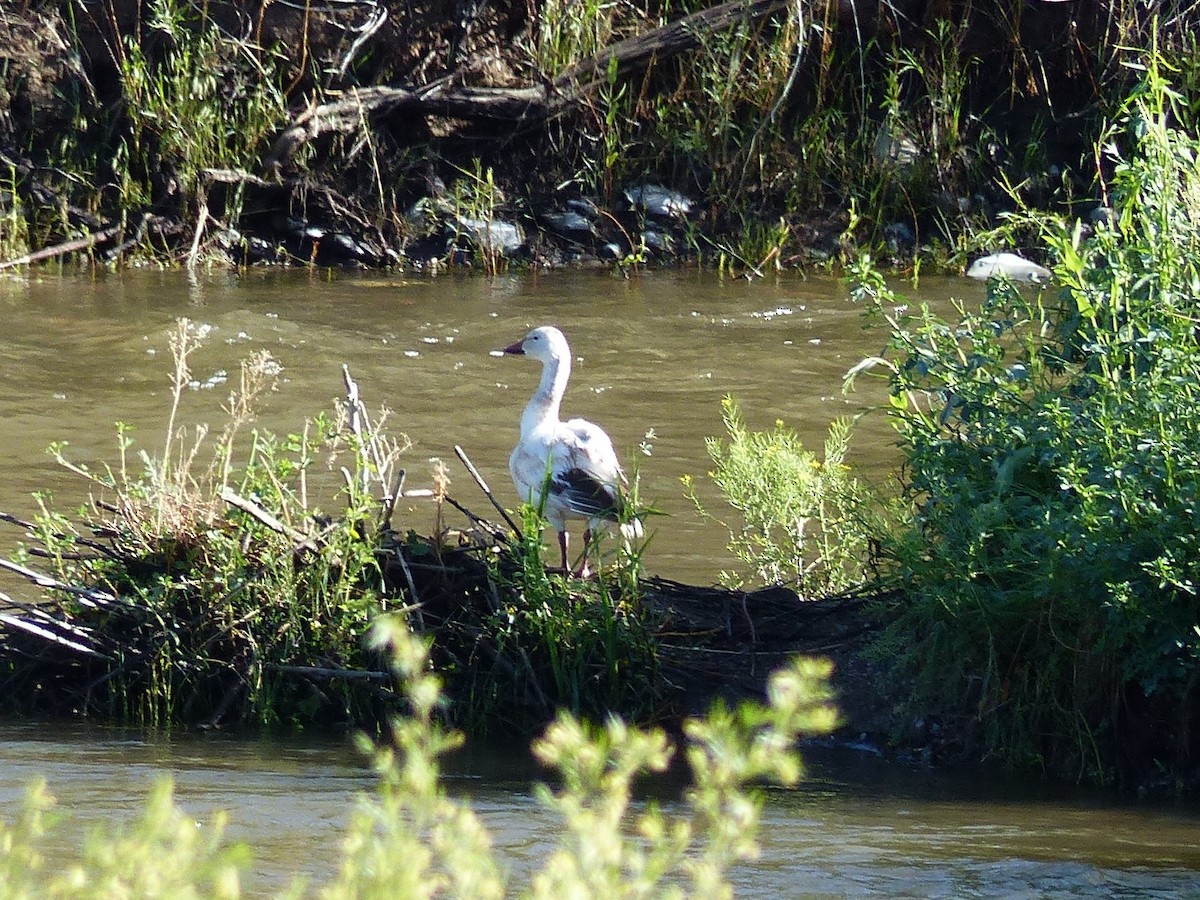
<point x="575" y="459"/>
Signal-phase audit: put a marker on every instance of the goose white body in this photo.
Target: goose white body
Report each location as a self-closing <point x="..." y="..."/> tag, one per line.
<point x="572" y="462"/>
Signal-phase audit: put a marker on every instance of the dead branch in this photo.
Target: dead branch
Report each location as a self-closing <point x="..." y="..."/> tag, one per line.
<point x="462" y="455"/>
<point x="88" y="596"/>
<point x="299" y="538"/>
<point x="64" y="248"/>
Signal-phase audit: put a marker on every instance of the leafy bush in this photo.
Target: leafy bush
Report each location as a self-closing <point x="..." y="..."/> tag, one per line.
<point x="806" y="523"/>
<point x="1053" y="457"/>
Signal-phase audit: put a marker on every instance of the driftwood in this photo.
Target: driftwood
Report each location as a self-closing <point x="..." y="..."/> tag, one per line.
<point x="300" y="540"/>
<point x="64" y="248"/>
<point x="514" y="106"/>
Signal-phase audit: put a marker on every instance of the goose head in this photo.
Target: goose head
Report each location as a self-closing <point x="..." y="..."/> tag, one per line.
<point x="544" y="344"/>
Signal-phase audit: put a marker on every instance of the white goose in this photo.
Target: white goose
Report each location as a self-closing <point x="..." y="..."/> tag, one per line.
<point x="575" y="458"/>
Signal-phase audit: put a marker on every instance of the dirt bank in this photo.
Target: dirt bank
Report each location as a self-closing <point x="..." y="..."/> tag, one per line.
<point x="375" y="133"/>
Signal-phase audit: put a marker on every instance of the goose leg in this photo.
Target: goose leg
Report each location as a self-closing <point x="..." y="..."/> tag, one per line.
<point x="587" y="548"/>
<point x="562" y="546"/>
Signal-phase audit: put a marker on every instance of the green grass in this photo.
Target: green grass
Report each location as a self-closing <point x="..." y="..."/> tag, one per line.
<point x="14" y="229"/>
<point x="586" y="646"/>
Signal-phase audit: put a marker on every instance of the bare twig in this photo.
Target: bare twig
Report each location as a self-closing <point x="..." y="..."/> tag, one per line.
<point x="201" y="221"/>
<point x="85" y="595"/>
<point x="233" y="176"/>
<point x="390" y="498"/>
<point x="74" y="539"/>
<point x="136" y="238"/>
<point x="478" y="521"/>
<point x="360" y="424"/>
<point x="415" y="601"/>
<point x="299" y="538"/>
<point x="365" y="32"/>
<point x="356" y="413"/>
<point x="462" y="455"/>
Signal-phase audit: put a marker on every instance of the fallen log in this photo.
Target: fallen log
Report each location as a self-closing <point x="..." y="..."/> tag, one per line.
<point x="667" y="41"/>
<point x="349" y="113"/>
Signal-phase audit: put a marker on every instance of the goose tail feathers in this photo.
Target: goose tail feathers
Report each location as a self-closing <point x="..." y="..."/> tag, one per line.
<point x="632" y="530"/>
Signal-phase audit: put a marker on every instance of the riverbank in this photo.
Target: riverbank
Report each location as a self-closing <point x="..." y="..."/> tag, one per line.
<point x="741" y="135"/>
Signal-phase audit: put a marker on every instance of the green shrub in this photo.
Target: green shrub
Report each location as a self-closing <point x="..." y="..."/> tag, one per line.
<point x="1053" y="457"/>
<point x="806" y="522"/>
<point x="221" y="572"/>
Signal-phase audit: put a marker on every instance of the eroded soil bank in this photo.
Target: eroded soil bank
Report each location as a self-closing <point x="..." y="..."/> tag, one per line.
<point x="390" y="134"/>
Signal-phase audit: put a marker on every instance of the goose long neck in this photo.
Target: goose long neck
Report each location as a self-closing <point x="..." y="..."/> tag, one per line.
<point x="544" y="405"/>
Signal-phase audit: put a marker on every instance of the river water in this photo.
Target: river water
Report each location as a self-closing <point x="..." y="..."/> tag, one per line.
<point x="654" y="355"/>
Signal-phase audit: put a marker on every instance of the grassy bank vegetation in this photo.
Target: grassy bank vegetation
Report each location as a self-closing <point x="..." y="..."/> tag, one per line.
<point x="158" y="124"/>
<point x="1045" y="543"/>
<point x="410" y="839"/>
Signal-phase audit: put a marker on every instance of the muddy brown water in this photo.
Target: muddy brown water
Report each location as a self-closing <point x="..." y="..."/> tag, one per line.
<point x="654" y="354"/>
<point x="78" y="354"/>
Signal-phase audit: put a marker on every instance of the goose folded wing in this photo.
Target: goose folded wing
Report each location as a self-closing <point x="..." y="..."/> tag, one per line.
<point x="585" y="495"/>
<point x="585" y="473"/>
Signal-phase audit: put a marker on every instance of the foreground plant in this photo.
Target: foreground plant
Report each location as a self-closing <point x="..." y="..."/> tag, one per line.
<point x="1053" y="454"/>
<point x="411" y="840"/>
<point x="163" y="853"/>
